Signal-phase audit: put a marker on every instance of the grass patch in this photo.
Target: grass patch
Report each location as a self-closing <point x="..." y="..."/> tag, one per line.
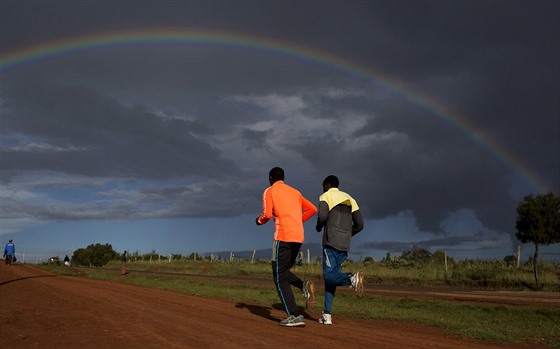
<point x="496" y="323"/>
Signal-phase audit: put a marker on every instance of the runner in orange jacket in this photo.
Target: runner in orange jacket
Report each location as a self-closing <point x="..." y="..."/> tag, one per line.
<point x="290" y="210"/>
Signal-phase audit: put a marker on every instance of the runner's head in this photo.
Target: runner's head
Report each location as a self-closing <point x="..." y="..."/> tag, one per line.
<point x="330" y="182"/>
<point x="276" y="174"/>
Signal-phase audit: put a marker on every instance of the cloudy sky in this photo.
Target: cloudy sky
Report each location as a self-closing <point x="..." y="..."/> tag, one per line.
<point x="152" y="125"/>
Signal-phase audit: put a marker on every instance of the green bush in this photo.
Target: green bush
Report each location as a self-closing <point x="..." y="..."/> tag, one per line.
<point x="95" y="255"/>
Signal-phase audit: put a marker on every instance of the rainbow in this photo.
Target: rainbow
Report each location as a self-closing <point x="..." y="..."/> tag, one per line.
<point x="118" y="40"/>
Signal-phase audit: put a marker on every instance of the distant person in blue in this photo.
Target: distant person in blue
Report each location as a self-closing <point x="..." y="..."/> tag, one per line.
<point x="9" y="252"/>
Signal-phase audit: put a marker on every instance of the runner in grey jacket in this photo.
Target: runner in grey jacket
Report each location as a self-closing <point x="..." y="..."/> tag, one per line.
<point x="340" y="218"/>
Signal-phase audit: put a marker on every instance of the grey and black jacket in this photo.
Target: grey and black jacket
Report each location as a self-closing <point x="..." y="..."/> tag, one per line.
<point x="340" y="217"/>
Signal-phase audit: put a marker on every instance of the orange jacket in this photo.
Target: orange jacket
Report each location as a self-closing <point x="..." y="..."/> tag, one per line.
<point x="288" y="208"/>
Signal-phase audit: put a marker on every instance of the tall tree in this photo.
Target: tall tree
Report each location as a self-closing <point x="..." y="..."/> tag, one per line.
<point x="538" y="221"/>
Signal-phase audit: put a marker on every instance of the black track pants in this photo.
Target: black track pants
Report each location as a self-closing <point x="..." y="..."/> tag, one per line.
<point x="284" y="256"/>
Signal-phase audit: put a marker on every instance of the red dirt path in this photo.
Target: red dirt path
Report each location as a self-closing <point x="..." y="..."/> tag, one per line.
<point x="44" y="310"/>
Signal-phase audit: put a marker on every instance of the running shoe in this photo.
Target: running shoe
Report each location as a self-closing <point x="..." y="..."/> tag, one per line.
<point x="293" y="321"/>
<point x="326" y="319"/>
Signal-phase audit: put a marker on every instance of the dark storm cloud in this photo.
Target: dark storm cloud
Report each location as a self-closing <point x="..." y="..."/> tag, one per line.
<point x="495" y="63"/>
<point x="409" y="166"/>
<point x="255" y="139"/>
<point x="215" y="119"/>
<point x="82" y="132"/>
<point x="408" y="245"/>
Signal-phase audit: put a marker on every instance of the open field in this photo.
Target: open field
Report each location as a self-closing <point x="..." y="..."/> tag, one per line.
<point x="51" y="310"/>
<point x="468" y="274"/>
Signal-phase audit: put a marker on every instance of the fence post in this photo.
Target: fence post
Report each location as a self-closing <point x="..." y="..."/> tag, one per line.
<point x="445" y="254"/>
<point x="518" y="255"/>
<point x="253" y="257"/>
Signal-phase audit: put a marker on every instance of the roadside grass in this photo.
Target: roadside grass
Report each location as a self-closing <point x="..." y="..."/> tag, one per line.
<point x="482" y="274"/>
<point x="493" y="323"/>
<point x="469" y="274"/>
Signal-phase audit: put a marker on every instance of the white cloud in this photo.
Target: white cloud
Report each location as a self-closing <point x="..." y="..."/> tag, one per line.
<point x="341" y="93"/>
<point x="43" y="147"/>
<point x="45" y="179"/>
<point x="281" y="106"/>
<point x="11" y="192"/>
<point x="9" y="226"/>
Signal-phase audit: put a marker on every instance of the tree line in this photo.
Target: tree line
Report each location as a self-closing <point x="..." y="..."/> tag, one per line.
<point x="537" y="222"/>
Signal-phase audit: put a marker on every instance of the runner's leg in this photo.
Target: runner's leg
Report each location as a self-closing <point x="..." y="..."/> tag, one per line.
<point x="282" y="276"/>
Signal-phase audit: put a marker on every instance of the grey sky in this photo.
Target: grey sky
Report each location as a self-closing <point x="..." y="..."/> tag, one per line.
<point x="190" y="130"/>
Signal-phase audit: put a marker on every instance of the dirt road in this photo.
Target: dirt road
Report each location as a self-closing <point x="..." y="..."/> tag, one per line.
<point x="44" y="310"/>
